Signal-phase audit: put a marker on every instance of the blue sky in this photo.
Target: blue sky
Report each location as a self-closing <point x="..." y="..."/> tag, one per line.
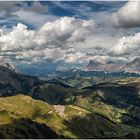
<point x="77" y="9"/>
<point x="68" y="33"/>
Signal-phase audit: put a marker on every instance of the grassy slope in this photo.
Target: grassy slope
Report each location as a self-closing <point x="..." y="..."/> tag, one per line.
<point x="20" y="117"/>
<point x="93" y="101"/>
<point x="86" y="116"/>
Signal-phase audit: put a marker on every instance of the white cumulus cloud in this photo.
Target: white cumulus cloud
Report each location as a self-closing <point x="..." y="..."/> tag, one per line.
<point x="54" y="40"/>
<point x="128" y="15"/>
<point x="127" y="46"/>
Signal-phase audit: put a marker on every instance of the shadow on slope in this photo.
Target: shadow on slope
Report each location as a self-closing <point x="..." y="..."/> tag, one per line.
<point x="96" y="126"/>
<point x="26" y="129"/>
<point x="124" y="97"/>
<point x="115" y="94"/>
<point x="54" y="94"/>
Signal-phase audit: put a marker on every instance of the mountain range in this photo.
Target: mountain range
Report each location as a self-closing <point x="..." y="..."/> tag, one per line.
<point x="33" y="108"/>
<point x="108" y="66"/>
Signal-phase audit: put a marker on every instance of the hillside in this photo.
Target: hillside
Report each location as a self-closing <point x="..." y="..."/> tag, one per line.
<point x="30" y="107"/>
<point x="23" y="117"/>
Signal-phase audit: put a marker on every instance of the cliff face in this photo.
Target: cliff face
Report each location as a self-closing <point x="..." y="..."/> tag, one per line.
<point x="133" y="66"/>
<point x="106" y="66"/>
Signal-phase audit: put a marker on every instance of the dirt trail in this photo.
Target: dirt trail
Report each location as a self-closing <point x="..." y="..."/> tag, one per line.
<point x="60" y="110"/>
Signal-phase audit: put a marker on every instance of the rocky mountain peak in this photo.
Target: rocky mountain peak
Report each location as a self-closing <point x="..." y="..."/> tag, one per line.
<point x="94" y="63"/>
<point x="132" y="66"/>
<point x="135" y="62"/>
<point x="9" y="66"/>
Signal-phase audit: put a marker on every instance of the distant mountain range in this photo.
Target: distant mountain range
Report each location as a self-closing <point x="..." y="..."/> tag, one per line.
<point x="132" y="67"/>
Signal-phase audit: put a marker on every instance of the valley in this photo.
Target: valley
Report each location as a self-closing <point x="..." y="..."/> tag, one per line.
<point x="58" y="108"/>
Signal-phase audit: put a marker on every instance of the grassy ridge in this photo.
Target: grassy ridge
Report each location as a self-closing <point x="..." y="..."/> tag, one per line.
<point x="23" y="117"/>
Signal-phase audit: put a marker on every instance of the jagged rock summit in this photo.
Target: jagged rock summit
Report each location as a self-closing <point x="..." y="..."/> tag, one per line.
<point x="131" y="67"/>
<point x="9" y="66"/>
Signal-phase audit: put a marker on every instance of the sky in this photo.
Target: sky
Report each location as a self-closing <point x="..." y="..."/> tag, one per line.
<point x="56" y="35"/>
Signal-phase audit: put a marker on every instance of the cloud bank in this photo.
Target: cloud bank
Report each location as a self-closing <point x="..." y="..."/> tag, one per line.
<point x="55" y="40"/>
<point x="41" y="35"/>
